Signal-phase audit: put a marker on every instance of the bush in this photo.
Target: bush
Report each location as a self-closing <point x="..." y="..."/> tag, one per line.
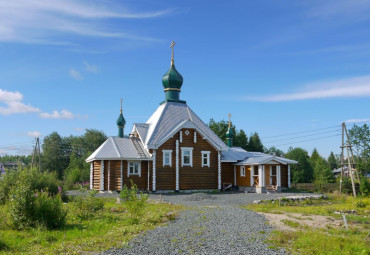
<point x="76" y="177"/>
<point x="135" y="204"/>
<point x="85" y="204"/>
<point x="21" y="205"/>
<point x="27" y="207"/>
<point x="37" y="180"/>
<point x="49" y="211"/>
<point x="364" y="186"/>
<point x="6" y="182"/>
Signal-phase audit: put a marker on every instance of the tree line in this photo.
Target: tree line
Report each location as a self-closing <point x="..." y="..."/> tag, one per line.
<point x="66" y="155"/>
<point x="310" y="168"/>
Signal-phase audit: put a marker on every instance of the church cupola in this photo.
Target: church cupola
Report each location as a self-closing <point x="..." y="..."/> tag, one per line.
<point x="229" y="134"/>
<point x="172" y="81"/>
<point x="121" y="123"/>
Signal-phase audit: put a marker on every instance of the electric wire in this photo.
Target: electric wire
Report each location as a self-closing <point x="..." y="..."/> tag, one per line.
<point x="307" y="140"/>
<point x="297" y="137"/>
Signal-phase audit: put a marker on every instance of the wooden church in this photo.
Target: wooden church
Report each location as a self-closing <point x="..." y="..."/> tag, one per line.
<point x="174" y="150"/>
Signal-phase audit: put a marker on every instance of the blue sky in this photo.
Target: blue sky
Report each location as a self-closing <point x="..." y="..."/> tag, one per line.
<point x="278" y="67"/>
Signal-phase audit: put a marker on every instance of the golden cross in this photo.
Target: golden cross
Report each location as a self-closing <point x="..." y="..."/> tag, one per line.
<point x="172" y="57"/>
<point x="121" y="104"/>
<point x="229" y="119"/>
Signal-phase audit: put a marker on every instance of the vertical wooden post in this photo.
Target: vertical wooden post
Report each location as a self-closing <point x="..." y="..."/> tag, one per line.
<point x="154" y="171"/>
<point x="288" y="176"/>
<point x="91" y="175"/>
<point x="219" y="170"/>
<point x="102" y="175"/>
<point x="177" y="166"/>
<point x="121" y="174"/>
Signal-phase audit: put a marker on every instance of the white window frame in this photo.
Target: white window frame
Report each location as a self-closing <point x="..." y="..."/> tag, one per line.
<point x="242" y="171"/>
<point x="207" y="153"/>
<point x="128" y="168"/>
<point x="170" y="157"/>
<point x="190" y="149"/>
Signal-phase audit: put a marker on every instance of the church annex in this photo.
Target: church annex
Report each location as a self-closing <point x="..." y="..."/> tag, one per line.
<point x="174" y="150"/>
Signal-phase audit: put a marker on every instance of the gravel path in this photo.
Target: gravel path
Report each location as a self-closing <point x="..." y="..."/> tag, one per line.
<point x="215" y="224"/>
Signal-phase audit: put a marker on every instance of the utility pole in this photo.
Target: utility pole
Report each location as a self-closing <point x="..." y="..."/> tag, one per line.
<point x="36" y="151"/>
<point x="350" y="161"/>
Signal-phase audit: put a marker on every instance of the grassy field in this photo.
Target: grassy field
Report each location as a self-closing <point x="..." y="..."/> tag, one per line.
<point x="110" y="227"/>
<point x="324" y="240"/>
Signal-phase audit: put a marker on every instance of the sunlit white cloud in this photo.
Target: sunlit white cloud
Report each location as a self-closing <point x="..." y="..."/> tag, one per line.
<point x="345" y="88"/>
<point x="13" y="101"/>
<point x="33" y="134"/>
<point x="76" y="75"/>
<point x="38" y="21"/>
<point x="63" y="114"/>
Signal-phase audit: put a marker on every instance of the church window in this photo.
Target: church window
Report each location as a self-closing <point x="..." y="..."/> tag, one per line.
<point x="134" y="168"/>
<point x="186" y="156"/>
<point x="205" y="158"/>
<point x="167" y="158"/>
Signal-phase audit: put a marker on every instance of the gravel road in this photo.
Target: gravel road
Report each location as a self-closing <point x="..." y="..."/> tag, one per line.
<point x="215" y="224"/>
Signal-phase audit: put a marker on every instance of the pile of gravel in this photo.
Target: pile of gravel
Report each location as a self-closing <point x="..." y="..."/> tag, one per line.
<point x="206" y="230"/>
<point x="199" y="197"/>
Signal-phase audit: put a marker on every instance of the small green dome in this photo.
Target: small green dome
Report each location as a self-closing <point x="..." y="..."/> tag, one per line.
<point x="172" y="79"/>
<point x="121" y="121"/>
<point x="229" y="133"/>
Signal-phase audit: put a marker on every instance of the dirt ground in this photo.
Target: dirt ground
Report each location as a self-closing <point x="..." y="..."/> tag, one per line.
<point x="313" y="221"/>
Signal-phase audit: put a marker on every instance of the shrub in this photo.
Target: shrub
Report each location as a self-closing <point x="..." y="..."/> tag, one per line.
<point x="21" y="204"/>
<point x="76" y="177"/>
<point x="6" y="182"/>
<point x="135" y="204"/>
<point x="49" y="211"/>
<point x="27" y="207"/>
<point x="37" y="180"/>
<point x="85" y="204"/>
<point x="364" y="186"/>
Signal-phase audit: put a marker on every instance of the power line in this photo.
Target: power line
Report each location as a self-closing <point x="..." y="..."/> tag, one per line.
<point x="307" y="131"/>
<point x="307" y="140"/>
<point x="302" y="136"/>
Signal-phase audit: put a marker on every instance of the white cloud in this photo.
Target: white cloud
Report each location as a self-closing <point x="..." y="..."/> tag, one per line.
<point x="43" y="22"/>
<point x="14" y="103"/>
<point x="357" y="120"/>
<point x="63" y="114"/>
<point x="79" y="129"/>
<point x="75" y="75"/>
<point x="33" y="134"/>
<point x="352" y="87"/>
<point x="91" y="68"/>
<point x="3" y="152"/>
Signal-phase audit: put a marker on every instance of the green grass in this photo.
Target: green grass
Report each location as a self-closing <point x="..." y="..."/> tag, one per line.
<point x="330" y="240"/>
<point x="103" y="231"/>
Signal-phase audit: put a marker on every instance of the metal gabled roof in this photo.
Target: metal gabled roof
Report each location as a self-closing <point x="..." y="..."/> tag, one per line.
<point x="170" y="115"/>
<point x="117" y="148"/>
<point x="142" y="129"/>
<point x="242" y="157"/>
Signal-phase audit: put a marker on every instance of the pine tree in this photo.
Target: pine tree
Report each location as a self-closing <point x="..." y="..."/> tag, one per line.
<point x="255" y="143"/>
<point x="332" y="161"/>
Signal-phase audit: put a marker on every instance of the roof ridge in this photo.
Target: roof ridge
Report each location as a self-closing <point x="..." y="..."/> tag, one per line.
<point x="115" y="146"/>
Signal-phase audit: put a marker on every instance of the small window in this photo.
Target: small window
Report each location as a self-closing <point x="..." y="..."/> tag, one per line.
<point x="187" y="156"/>
<point x="205" y="158"/>
<point x="242" y="171"/>
<point x="134" y="168"/>
<point x="167" y="158"/>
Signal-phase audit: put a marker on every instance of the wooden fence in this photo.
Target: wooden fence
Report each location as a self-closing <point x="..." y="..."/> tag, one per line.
<point x="329" y="187"/>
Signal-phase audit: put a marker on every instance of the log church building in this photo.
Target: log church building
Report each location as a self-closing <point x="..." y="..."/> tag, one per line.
<point x="174" y="150"/>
